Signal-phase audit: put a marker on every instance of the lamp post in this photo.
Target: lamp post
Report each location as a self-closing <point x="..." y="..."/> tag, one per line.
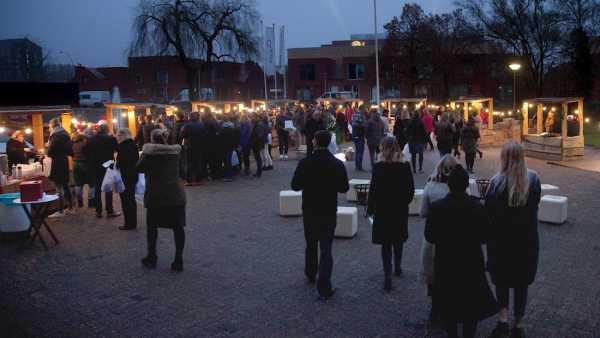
<point x="376" y="56"/>
<point x="515" y="67"/>
<point x="72" y="64"/>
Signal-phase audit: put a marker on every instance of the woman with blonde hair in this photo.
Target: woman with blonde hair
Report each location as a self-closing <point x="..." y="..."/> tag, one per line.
<point x="436" y="189"/>
<point x="458" y="120"/>
<point x="392" y="189"/>
<point x="513" y="248"/>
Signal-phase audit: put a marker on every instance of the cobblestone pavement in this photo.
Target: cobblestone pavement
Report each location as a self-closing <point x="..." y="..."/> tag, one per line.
<point x="244" y="271"/>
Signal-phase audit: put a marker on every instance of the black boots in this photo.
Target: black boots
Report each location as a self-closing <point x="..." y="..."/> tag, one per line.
<point x="177" y="264"/>
<point x="150" y="262"/>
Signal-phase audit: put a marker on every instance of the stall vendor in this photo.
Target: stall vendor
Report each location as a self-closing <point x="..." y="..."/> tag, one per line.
<point x="17" y="150"/>
<point x="551" y="126"/>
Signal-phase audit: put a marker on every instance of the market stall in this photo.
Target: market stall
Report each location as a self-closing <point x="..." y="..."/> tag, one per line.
<point x="217" y="106"/>
<point x="553" y="128"/>
<point x="262" y="104"/>
<point x="508" y="130"/>
<point x="129" y="113"/>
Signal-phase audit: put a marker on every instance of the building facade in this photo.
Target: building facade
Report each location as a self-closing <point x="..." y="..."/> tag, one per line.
<point x="21" y="60"/>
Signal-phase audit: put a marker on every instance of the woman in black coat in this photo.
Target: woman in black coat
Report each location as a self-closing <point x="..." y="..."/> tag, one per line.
<point x="392" y="189"/>
<point x="416" y="137"/>
<point x="257" y="142"/>
<point x="127" y="157"/>
<point x="59" y="149"/>
<point x="513" y="250"/>
<point x="462" y="289"/>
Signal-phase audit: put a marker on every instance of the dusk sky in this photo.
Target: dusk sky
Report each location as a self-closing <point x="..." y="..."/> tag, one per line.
<point x="96" y="33"/>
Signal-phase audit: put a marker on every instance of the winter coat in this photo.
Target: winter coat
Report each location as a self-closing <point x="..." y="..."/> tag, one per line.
<point x="469" y="136"/>
<point x="433" y="191"/>
<point x="428" y="122"/>
<point x="59" y="149"/>
<point x="209" y="137"/>
<point x="359" y="122"/>
<point x="244" y="137"/>
<point x="257" y="136"/>
<point x="513" y="248"/>
<point x="227" y="138"/>
<point x="319" y="192"/>
<point x="444" y="137"/>
<point x="77" y="146"/>
<point x="139" y="136"/>
<point x="16" y="152"/>
<point x="266" y="129"/>
<point x="127" y="157"/>
<point x="479" y="124"/>
<point x="415" y="133"/>
<point x="299" y="119"/>
<point x="148" y="128"/>
<point x="193" y="135"/>
<point x="100" y="148"/>
<point x="177" y="129"/>
<point x="312" y="126"/>
<point x="392" y="189"/>
<point x="374" y="130"/>
<point x="280" y="124"/>
<point x="400" y="131"/>
<point x="458" y="125"/>
<point x="160" y="164"/>
<point x="460" y="281"/>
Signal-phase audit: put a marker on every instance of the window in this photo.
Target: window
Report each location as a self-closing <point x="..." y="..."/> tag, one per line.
<point x="307" y="72"/>
<point x="126" y="78"/>
<point x="458" y="90"/>
<point x="498" y="69"/>
<point x="505" y="92"/>
<point x="387" y="71"/>
<point x="467" y="69"/>
<point x="162" y="77"/>
<point x="426" y="71"/>
<point x="303" y="93"/>
<point x="141" y="91"/>
<point x="85" y="79"/>
<point x="352" y="88"/>
<point x="138" y="78"/>
<point x="356" y="71"/>
<point x="421" y="90"/>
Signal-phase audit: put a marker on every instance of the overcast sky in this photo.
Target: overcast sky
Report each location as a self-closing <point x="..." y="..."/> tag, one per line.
<point x="95" y="33"/>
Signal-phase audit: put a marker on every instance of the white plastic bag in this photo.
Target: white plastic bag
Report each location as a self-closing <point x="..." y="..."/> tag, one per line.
<point x="47" y="166"/>
<point x="234" y="159"/>
<point x="333" y="148"/>
<point x="112" y="181"/>
<point x="140" y="187"/>
<point x="406" y="152"/>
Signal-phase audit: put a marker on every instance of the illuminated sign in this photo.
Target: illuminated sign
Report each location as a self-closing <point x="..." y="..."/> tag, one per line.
<point x="358" y="43"/>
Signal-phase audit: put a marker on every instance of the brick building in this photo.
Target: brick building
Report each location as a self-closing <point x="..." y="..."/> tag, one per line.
<point x="159" y="79"/>
<point x="21" y="60"/>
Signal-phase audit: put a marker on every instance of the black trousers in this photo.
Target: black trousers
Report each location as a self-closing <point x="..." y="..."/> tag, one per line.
<point x="174" y="218"/>
<point x="108" y="197"/>
<point x="469" y="329"/>
<point x="129" y="206"/>
<point x="470" y="159"/>
<point x="309" y="146"/>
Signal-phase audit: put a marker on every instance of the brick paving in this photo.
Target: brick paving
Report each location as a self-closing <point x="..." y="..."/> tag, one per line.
<point x="244" y="271"/>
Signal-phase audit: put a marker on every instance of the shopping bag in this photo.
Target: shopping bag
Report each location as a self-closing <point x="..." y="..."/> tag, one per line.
<point x="140" y="187"/>
<point x="234" y="159"/>
<point x="333" y="148"/>
<point x="406" y="152"/>
<point x="46" y="166"/>
<point x="112" y="181"/>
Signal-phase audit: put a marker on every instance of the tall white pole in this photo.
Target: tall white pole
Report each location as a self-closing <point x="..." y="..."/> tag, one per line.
<point x="376" y="56"/>
<point x="283" y="65"/>
<point x="274" y="63"/>
<point x="264" y="57"/>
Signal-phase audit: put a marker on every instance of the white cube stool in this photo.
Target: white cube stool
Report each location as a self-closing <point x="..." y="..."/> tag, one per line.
<point x="290" y="203"/>
<point x="415" y="204"/>
<point x="553" y="209"/>
<point x="351" y="194"/>
<point x="548" y="189"/>
<point x="473" y="190"/>
<point x="347" y="222"/>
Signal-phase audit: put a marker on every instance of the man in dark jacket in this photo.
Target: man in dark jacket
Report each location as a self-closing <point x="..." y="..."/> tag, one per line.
<point x="177" y="127"/>
<point x="319" y="208"/>
<point x="100" y="149"/>
<point x="148" y="128"/>
<point x="374" y="132"/>
<point x="139" y="134"/>
<point x="226" y="141"/>
<point x="283" y="135"/>
<point x="358" y="135"/>
<point x="192" y="136"/>
<point x="312" y="126"/>
<point x="210" y="154"/>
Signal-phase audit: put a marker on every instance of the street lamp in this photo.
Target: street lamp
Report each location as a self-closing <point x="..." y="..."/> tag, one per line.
<point x="515" y="67"/>
<point x="72" y="64"/>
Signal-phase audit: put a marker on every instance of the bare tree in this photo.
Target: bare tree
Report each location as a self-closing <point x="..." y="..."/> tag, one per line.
<point x="530" y="29"/>
<point x="188" y="29"/>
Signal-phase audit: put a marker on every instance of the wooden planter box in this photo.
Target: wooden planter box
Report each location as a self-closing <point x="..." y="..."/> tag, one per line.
<point x="553" y="148"/>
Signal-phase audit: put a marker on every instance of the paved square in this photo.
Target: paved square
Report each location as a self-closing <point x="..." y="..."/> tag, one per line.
<point x="244" y="270"/>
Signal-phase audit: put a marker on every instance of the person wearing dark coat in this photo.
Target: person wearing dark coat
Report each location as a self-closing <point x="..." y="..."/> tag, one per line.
<point x="149" y="126"/>
<point x="283" y="135"/>
<point x="458" y="120"/>
<point x="164" y="198"/>
<point x="462" y="288"/>
<point x="82" y="168"/>
<point x="469" y="136"/>
<point x="226" y="141"/>
<point x="391" y="191"/>
<point x="311" y="127"/>
<point x="127" y="157"/>
<point x="17" y="150"/>
<point x="177" y="128"/>
<point x="416" y="138"/>
<point x="512" y="204"/>
<point x="139" y="134"/>
<point x="192" y="136"/>
<point x="257" y="142"/>
<point x="210" y="153"/>
<point x="374" y="132"/>
<point x="59" y="150"/>
<point x="100" y="149"/>
<point x="444" y="131"/>
<point x="244" y="142"/>
<point x="400" y="124"/>
<point x="319" y="208"/>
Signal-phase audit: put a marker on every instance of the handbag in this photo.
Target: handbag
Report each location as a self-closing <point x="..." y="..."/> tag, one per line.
<point x="112" y="181"/>
<point x="140" y="186"/>
<point x="46" y="166"/>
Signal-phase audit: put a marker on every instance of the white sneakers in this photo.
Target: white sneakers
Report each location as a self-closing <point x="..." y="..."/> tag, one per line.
<point x="280" y="157"/>
<point x="57" y="214"/>
<point x="70" y="212"/>
<point x="286" y="156"/>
